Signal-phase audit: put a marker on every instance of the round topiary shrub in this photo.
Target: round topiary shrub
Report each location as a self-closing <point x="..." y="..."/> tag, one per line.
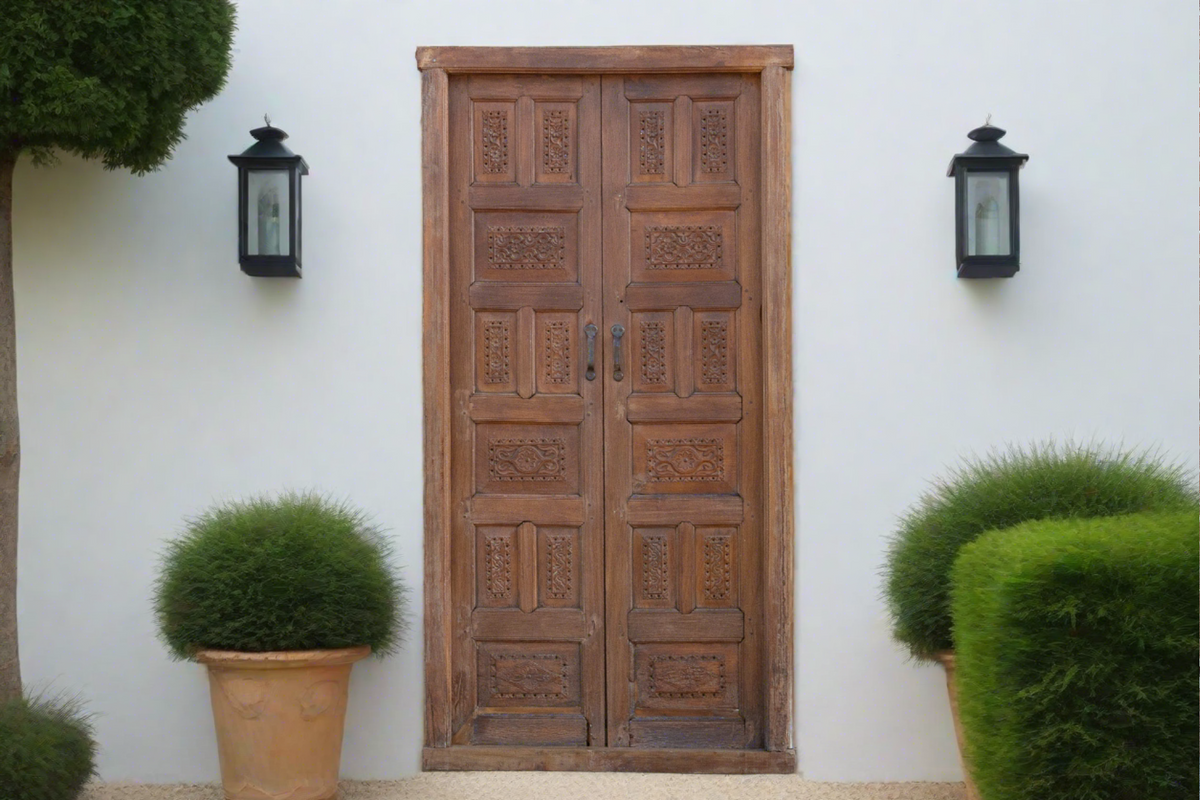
<point x="301" y="572"/>
<point x="1043" y="481"/>
<point x="46" y="748"/>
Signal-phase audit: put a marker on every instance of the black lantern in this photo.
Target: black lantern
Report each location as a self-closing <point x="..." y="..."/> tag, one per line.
<point x="269" y="205"/>
<point x="988" y="230"/>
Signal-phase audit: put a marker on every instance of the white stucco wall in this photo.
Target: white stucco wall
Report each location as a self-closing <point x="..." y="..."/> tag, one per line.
<point x="156" y="378"/>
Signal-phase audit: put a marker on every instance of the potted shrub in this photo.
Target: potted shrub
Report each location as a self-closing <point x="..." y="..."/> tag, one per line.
<point x="1000" y="490"/>
<point x="279" y="598"/>
<point x="46" y="748"/>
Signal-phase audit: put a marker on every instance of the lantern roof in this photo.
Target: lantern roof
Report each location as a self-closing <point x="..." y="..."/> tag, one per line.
<point x="269" y="146"/>
<point x="987" y="145"/>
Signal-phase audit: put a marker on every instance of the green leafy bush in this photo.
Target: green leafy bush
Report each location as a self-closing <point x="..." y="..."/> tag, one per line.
<point x="300" y="572"/>
<point x="1002" y="490"/>
<point x="46" y="748"/>
<point x="1077" y="656"/>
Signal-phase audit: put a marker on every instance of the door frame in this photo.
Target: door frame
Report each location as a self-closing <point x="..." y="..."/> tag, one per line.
<point x="774" y="64"/>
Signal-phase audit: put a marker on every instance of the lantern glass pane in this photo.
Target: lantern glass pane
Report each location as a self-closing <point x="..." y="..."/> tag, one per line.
<point x="987" y="214"/>
<point x="267" y="213"/>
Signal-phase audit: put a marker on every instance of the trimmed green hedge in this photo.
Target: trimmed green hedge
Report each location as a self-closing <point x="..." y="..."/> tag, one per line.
<point x="46" y="748"/>
<point x="300" y="572"/>
<point x="999" y="491"/>
<point x="1077" y="653"/>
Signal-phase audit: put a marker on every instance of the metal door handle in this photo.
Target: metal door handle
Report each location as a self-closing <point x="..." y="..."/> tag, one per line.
<point x="617" y="331"/>
<point x="590" y="331"/>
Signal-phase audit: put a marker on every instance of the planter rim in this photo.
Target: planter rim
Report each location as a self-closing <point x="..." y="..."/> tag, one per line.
<point x="282" y="659"/>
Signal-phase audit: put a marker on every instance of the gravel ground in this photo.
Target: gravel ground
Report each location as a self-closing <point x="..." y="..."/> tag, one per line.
<point x="574" y="785"/>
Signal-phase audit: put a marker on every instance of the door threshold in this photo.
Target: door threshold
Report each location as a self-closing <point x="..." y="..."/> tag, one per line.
<point x="608" y="759"/>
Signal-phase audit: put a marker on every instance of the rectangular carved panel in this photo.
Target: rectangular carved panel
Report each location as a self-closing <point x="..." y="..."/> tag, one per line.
<point x="716" y="572"/>
<point x="494" y="142"/>
<point x="687" y="676"/>
<point x="496" y="351"/>
<point x="557" y="142"/>
<point x="652" y="351"/>
<point x="714" y="350"/>
<point x="527" y="459"/>
<point x="515" y="246"/>
<point x="559" y="567"/>
<point x="496" y="566"/>
<point x="683" y="246"/>
<point x="651" y="142"/>
<point x="558" y="354"/>
<point x="713" y="146"/>
<point x="653" y="555"/>
<point x="685" y="459"/>
<point x="528" y="674"/>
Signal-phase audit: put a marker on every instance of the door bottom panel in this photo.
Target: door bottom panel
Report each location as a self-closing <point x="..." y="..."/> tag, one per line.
<point x="609" y="759"/>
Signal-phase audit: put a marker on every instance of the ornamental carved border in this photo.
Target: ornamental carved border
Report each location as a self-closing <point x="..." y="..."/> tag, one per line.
<point x="532" y="459"/>
<point x="656" y="566"/>
<point x="714" y="352"/>
<point x="654" y="353"/>
<point x="558" y="352"/>
<point x="680" y="460"/>
<point x="556" y="142"/>
<point x="560" y="552"/>
<point x="496" y="335"/>
<point x="525" y="672"/>
<point x="651" y="143"/>
<point x="685" y="677"/>
<point x="527" y="246"/>
<point x="684" y="247"/>
<point x="494" y="142"/>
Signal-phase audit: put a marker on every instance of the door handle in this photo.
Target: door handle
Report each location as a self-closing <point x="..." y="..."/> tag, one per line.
<point x="590" y="331"/>
<point x="617" y="332"/>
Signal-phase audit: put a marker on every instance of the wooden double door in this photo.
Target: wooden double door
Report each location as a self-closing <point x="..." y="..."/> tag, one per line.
<point x="606" y="462"/>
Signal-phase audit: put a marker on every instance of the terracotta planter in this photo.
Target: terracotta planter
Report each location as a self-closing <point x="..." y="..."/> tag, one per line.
<point x="947" y="660"/>
<point x="279" y="719"/>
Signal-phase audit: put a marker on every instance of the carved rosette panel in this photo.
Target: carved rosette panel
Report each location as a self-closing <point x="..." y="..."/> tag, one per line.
<point x="684" y="247"/>
<point x="494" y="142"/>
<point x="556" y="142"/>
<point x="533" y="459"/>
<point x="527" y="246"/>
<point x="653" y="352"/>
<point x="686" y="677"/>
<point x="557" y="364"/>
<point x="718" y="566"/>
<point x="714" y="140"/>
<point x="656" y="567"/>
<point x="497" y="566"/>
<point x="714" y="352"/>
<point x="690" y="460"/>
<point x="534" y="676"/>
<point x="651" y="143"/>
<point x="496" y="345"/>
<point x="560" y="553"/>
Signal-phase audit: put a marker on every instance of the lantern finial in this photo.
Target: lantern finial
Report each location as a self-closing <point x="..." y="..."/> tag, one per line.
<point x="267" y="119"/>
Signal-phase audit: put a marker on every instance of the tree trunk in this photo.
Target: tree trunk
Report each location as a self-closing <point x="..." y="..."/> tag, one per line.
<point x="10" y="443"/>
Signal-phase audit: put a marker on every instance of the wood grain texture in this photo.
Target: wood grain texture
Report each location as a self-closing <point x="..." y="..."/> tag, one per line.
<point x="435" y="159"/>
<point x="636" y="59"/>
<point x="608" y="759"/>
<point x="778" y="450"/>
<point x="705" y="215"/>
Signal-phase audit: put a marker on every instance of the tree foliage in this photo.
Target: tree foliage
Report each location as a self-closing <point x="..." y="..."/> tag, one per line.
<point x="109" y="79"/>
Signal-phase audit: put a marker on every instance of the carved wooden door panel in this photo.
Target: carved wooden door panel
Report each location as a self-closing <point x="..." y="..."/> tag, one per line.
<point x="683" y="427"/>
<point x="606" y="429"/>
<point x="527" y="548"/>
